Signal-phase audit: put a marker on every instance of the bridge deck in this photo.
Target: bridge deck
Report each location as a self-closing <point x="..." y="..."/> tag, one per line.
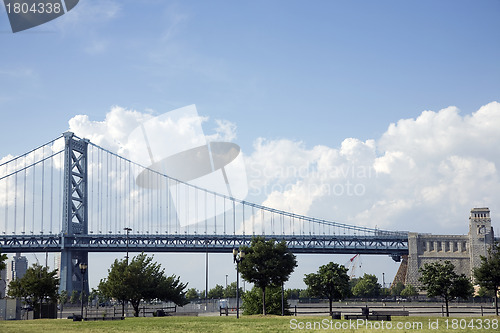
<point x="382" y="244"/>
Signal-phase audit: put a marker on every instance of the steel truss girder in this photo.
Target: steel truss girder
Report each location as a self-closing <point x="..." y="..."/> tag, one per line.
<point x="392" y="245"/>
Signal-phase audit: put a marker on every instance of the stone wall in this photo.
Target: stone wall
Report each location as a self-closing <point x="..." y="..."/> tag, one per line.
<point x="462" y="251"/>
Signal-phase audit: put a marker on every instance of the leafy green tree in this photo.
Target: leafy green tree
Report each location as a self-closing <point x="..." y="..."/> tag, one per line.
<point x="230" y="291"/>
<point x="36" y="285"/>
<point x="304" y="294"/>
<point x="440" y="279"/>
<point x="353" y="282"/>
<point x="266" y="264"/>
<point x="116" y="286"/>
<point x="331" y="281"/>
<point x="62" y="299"/>
<point x="397" y="289"/>
<point x="142" y="279"/>
<point x="252" y="301"/>
<point x="409" y="291"/>
<point x="294" y="293"/>
<point x="483" y="292"/>
<point x="73" y="299"/>
<point x="367" y="286"/>
<point x="216" y="292"/>
<point x="192" y="294"/>
<point x="487" y="275"/>
<point x="3" y="258"/>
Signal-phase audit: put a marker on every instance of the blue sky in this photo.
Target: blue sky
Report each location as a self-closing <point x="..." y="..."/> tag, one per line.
<point x="297" y="74"/>
<point x="317" y="72"/>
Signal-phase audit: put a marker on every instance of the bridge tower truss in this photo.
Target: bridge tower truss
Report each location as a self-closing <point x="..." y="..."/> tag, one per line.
<point x="75" y="215"/>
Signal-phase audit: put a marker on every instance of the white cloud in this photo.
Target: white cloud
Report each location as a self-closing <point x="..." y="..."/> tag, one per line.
<point x="422" y="174"/>
<point x="225" y="131"/>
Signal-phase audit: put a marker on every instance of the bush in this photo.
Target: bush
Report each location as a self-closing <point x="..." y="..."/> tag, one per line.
<point x="252" y="301"/>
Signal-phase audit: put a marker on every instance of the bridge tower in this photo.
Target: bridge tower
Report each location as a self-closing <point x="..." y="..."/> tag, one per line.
<point x="481" y="236"/>
<point x="75" y="214"/>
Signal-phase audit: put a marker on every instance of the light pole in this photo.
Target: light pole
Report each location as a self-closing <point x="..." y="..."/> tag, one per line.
<point x="237" y="258"/>
<point x="83" y="269"/>
<point x="127" y="230"/>
<point x="226" y="281"/>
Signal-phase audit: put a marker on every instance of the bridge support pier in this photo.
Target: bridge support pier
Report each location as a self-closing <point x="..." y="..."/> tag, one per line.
<point x="71" y="276"/>
<point x="75" y="215"/>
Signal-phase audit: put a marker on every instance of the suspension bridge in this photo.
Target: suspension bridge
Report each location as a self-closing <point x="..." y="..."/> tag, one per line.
<point x="74" y="197"/>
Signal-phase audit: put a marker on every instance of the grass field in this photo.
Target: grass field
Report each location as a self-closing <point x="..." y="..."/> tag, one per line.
<point x="255" y="324"/>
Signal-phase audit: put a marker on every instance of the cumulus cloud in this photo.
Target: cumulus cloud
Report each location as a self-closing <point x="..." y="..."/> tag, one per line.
<point x="422" y="174"/>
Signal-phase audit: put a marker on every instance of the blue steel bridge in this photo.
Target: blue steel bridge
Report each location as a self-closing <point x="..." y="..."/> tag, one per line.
<point x="74" y="197"/>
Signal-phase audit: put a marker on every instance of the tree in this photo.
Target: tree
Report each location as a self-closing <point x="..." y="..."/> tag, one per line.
<point x="294" y="293"/>
<point x="397" y="289"/>
<point x="409" y="291"/>
<point x="115" y="286"/>
<point x="440" y="279"/>
<point x="230" y="291"/>
<point x="144" y="280"/>
<point x="483" y="292"/>
<point x="62" y="299"/>
<point x="252" y="301"/>
<point x="216" y="292"/>
<point x="331" y="281"/>
<point x="73" y="299"/>
<point x="487" y="275"/>
<point x="367" y="286"/>
<point x="192" y="294"/>
<point x="37" y="284"/>
<point x="3" y="265"/>
<point x="267" y="263"/>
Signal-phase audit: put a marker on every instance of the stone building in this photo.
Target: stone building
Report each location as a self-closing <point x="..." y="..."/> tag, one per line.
<point x="462" y="251"/>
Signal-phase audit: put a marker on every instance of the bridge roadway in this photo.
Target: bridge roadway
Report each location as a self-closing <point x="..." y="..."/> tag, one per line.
<point x="391" y="244"/>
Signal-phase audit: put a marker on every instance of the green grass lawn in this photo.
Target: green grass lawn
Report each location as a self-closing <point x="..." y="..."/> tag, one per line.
<point x="253" y="324"/>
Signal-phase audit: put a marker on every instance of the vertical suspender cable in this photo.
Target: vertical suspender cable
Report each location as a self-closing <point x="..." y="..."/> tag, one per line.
<point x="253" y="220"/>
<point x="187" y="208"/>
<point x="33" y="197"/>
<point x="117" y="187"/>
<point x="243" y="217"/>
<point x="90" y="176"/>
<point x="61" y="184"/>
<point x="43" y="185"/>
<point x="15" y="199"/>
<point x="51" y="216"/>
<point x="6" y="199"/>
<point x="108" y="199"/>
<point x="196" y="210"/>
<point x="215" y="214"/>
<point x="24" y="196"/>
<point x="206" y="216"/>
<point x="99" y="190"/>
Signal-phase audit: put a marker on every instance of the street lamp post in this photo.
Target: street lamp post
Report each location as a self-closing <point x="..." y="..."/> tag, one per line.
<point x="237" y="258"/>
<point x="127" y="230"/>
<point x="83" y="269"/>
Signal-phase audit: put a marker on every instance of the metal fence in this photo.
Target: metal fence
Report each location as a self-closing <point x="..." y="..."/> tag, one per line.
<point x="461" y="310"/>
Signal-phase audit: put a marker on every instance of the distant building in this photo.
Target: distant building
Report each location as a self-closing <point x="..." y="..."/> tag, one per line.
<point x="3" y="283"/>
<point x="463" y="251"/>
<point x="16" y="268"/>
<point x="57" y="264"/>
